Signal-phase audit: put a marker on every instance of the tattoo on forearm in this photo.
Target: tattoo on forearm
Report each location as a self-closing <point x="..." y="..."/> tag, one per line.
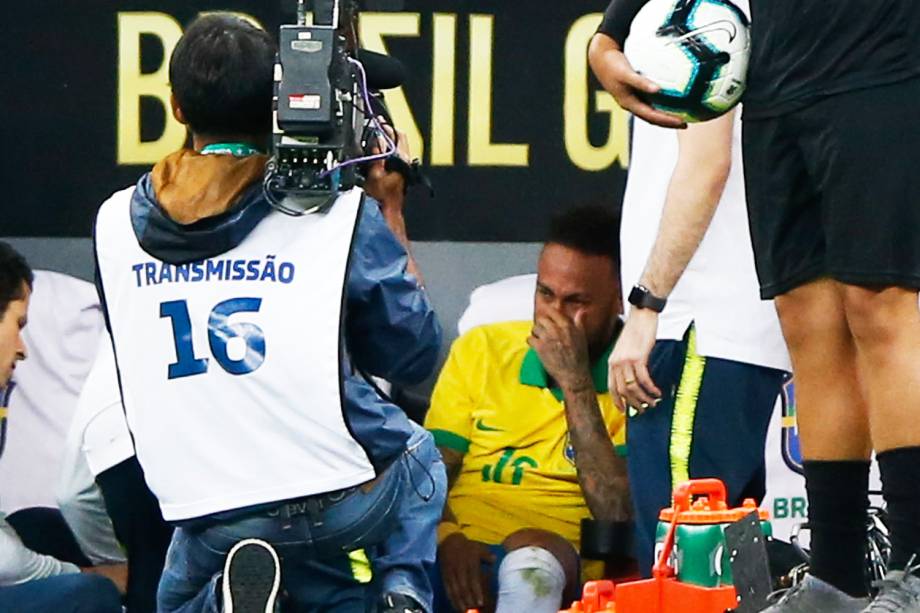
<point x="601" y="473"/>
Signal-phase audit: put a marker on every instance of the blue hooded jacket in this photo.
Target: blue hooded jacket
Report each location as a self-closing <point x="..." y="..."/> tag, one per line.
<point x="390" y="329"/>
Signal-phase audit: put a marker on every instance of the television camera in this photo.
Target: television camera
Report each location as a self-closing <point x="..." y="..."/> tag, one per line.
<point x="324" y="115"/>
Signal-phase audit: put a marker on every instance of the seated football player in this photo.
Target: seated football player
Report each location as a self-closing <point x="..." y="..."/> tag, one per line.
<point x="530" y="437"/>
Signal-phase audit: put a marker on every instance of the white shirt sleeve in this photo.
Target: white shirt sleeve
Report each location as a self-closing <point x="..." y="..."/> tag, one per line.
<point x="83" y="506"/>
<point x="99" y="424"/>
<point x="19" y="564"/>
<point x="98" y="439"/>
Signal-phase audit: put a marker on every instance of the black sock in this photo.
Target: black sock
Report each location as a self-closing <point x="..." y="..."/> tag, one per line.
<point x="900" y="470"/>
<point x="838" y="503"/>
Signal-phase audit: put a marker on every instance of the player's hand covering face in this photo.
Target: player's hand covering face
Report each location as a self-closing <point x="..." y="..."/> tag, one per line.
<point x="561" y="343"/>
<point x="574" y="285"/>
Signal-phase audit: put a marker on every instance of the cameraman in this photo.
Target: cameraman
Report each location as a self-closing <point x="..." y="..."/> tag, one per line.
<point x="238" y="356"/>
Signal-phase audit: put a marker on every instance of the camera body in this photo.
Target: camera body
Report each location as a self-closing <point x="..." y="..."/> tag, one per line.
<point x="320" y="101"/>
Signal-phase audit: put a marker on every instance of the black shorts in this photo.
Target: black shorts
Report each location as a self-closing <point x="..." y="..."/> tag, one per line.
<point x="833" y="190"/>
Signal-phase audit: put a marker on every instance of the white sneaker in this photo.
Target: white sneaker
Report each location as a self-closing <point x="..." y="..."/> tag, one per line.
<point x="252" y="576"/>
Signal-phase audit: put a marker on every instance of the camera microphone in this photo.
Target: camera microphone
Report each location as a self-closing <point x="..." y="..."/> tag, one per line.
<point x="383" y="71"/>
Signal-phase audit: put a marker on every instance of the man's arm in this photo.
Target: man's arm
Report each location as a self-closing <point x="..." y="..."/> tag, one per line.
<point x="605" y="54"/>
<point x="459" y="557"/>
<point x="450" y="420"/>
<point x="453" y="462"/>
<point x="389" y="189"/>
<point x="393" y="332"/>
<point x="19" y="564"/>
<point x="562" y="347"/>
<point x="391" y="327"/>
<point x="601" y="472"/>
<point x="619" y="17"/>
<point x="703" y="166"/>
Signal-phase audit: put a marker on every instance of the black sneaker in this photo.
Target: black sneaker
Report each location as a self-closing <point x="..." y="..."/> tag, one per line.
<point x="393" y="602"/>
<point x="252" y="576"/>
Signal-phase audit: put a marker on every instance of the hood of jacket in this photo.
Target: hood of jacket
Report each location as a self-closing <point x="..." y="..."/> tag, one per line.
<point x="192" y="206"/>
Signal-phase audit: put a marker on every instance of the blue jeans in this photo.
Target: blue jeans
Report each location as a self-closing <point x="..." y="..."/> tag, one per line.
<point x="322" y="568"/>
<point x="76" y="593"/>
<point x="404" y="562"/>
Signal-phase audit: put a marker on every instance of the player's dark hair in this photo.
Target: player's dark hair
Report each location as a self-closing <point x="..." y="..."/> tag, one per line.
<point x="592" y="229"/>
<point x="222" y="73"/>
<point x="14" y="271"/>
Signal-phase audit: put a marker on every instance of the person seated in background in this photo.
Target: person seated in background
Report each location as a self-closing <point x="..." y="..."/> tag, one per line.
<point x="529" y="434"/>
<point x="103" y="484"/>
<point x="39" y="488"/>
<point x="65" y="321"/>
<point x="30" y="581"/>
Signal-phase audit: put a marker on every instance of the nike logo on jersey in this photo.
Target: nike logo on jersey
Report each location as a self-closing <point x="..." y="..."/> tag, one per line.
<point x="481" y="426"/>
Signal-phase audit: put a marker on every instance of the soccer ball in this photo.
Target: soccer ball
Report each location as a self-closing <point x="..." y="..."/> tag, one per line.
<point x="697" y="51"/>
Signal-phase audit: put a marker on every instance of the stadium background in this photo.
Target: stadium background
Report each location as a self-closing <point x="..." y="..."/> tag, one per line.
<point x="499" y="104"/>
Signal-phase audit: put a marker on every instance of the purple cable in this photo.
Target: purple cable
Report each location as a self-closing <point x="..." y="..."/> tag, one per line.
<point x="374" y="119"/>
<point x="367" y="103"/>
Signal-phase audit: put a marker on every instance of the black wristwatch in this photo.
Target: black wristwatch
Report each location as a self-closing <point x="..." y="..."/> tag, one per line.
<point x="641" y="297"/>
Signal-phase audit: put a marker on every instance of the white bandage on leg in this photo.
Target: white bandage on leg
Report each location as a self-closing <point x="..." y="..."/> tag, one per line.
<point x="530" y="579"/>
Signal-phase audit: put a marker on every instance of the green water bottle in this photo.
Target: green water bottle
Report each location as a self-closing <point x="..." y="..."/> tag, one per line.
<point x="701" y="556"/>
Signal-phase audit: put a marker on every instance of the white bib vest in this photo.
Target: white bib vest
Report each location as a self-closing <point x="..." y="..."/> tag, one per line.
<point x="230" y="367"/>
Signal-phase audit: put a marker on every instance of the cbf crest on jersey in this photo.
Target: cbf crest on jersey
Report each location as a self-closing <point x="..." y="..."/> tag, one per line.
<point x="569" y="451"/>
<point x="792" y="447"/>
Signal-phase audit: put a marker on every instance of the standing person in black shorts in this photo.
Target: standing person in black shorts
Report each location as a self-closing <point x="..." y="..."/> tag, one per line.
<point x="831" y="122"/>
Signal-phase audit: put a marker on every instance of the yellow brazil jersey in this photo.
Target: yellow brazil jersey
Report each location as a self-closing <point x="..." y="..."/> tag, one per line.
<point x="493" y="404"/>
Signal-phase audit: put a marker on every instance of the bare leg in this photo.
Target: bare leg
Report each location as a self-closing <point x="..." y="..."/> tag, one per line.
<point x="833" y="423"/>
<point x="831" y="408"/>
<point x="886" y="325"/>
